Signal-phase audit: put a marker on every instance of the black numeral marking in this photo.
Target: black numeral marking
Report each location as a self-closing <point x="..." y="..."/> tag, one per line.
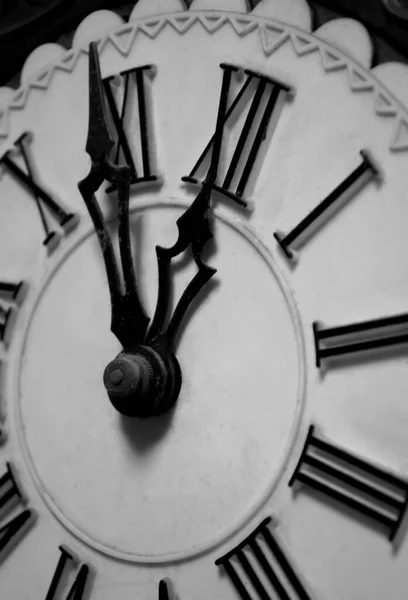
<point x="78" y="587"/>
<point x="27" y="175"/>
<point x="337" y="473"/>
<point x="13" y="530"/>
<point x="359" y="178"/>
<point x="11" y="296"/>
<point x="257" y="557"/>
<point x="263" y="98"/>
<point x="359" y="337"/>
<point x="166" y="590"/>
<point x="129" y="104"/>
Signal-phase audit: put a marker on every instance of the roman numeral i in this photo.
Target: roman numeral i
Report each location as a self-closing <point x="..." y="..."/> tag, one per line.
<point x="353" y="183"/>
<point x="260" y="98"/>
<point x="353" y="482"/>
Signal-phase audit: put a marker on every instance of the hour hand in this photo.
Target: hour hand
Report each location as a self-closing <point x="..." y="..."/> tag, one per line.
<point x="129" y="321"/>
<point x="195" y="230"/>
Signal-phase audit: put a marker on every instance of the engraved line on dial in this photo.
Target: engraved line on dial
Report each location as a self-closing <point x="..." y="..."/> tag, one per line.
<point x="360" y="337"/>
<point x="79" y="586"/>
<point x="351" y="185"/>
<point x="260" y="554"/>
<point x="134" y="89"/>
<point x="29" y="177"/>
<point x="360" y="485"/>
<point x="265" y="96"/>
<point x="16" y="527"/>
<point x="11" y="297"/>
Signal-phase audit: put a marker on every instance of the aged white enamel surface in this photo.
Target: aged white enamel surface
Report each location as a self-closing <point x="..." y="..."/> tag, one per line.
<point x="295" y="12"/>
<point x="147" y="8"/>
<point x="352" y="269"/>
<point x="350" y="36"/>
<point x="39" y="58"/>
<point x="173" y="486"/>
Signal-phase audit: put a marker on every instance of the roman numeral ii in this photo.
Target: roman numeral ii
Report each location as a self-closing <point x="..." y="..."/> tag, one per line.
<point x="259" y="99"/>
<point x="353" y="482"/>
<point x="261" y="561"/>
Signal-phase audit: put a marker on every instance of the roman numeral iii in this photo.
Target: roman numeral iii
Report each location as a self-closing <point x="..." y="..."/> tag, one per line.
<point x="353" y="183"/>
<point x="13" y="530"/>
<point x="377" y="334"/>
<point x="24" y="170"/>
<point x="259" y="99"/>
<point x="78" y="588"/>
<point x="11" y="296"/>
<point x="258" y="557"/>
<point x="129" y="102"/>
<point x="355" y="483"/>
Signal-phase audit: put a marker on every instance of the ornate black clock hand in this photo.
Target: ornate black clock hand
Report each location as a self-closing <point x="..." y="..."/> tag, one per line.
<point x="129" y="321"/>
<point x="194" y="229"/>
<point x="148" y="381"/>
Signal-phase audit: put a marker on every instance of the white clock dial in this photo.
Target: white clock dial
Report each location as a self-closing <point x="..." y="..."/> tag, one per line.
<point x="263" y="349"/>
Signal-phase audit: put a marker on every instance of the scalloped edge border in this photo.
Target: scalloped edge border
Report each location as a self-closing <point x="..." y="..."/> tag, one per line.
<point x="272" y="34"/>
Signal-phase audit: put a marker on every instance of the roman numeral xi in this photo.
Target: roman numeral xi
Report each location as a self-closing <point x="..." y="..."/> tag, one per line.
<point x="353" y="482"/>
<point x="20" y="163"/>
<point x="259" y="568"/>
<point x="129" y="101"/>
<point x="258" y="102"/>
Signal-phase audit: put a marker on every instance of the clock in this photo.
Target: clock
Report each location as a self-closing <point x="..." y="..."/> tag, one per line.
<point x="203" y="315"/>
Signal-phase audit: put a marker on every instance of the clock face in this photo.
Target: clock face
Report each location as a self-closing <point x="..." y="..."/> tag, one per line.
<point x="203" y="317"/>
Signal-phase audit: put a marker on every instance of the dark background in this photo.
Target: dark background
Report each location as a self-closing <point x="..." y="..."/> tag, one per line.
<point x="25" y="24"/>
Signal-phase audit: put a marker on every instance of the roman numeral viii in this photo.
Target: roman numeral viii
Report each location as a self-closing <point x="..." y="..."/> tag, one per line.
<point x="78" y="587"/>
<point x="377" y="334"/>
<point x="20" y="163"/>
<point x="13" y="530"/>
<point x="353" y="482"/>
<point x="129" y="101"/>
<point x="258" y="568"/>
<point x="366" y="171"/>
<point x="258" y="102"/>
<point x="11" y="296"/>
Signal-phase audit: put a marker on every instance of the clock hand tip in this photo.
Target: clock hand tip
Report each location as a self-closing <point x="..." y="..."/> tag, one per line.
<point x="99" y="141"/>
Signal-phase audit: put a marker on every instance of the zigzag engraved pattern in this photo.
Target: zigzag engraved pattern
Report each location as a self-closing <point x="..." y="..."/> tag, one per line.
<point x="272" y="35"/>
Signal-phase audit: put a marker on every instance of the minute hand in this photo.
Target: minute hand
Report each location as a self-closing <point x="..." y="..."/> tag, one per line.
<point x="129" y="321"/>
